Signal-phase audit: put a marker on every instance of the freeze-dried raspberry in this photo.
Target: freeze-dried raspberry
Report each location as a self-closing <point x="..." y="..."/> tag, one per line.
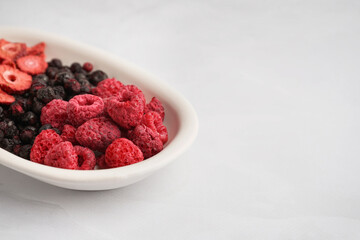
<point x="100" y="161"/>
<point x="156" y="106"/>
<point x="86" y="158"/>
<point x="108" y="88"/>
<point x="84" y="107"/>
<point x="68" y="134"/>
<point x="122" y="152"/>
<point x="62" y="155"/>
<point x="134" y="90"/>
<point x="153" y="121"/>
<point x="42" y="144"/>
<point x="146" y="139"/>
<point x="127" y="108"/>
<point x="97" y="133"/>
<point x="55" y="113"/>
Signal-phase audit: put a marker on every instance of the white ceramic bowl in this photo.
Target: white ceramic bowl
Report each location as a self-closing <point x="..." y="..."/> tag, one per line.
<point x="180" y="117"/>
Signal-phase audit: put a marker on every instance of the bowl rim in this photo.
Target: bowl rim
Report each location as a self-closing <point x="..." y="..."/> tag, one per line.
<point x="185" y="136"/>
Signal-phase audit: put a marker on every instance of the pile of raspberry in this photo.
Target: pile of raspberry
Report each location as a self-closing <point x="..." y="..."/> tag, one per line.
<point x="73" y="117"/>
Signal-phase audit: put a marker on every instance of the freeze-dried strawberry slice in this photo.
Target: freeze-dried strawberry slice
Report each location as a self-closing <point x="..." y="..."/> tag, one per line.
<point x="6" y="98"/>
<point x="32" y="64"/>
<point x="13" y="80"/>
<point x="10" y="51"/>
<point x="9" y="63"/>
<point x="37" y="49"/>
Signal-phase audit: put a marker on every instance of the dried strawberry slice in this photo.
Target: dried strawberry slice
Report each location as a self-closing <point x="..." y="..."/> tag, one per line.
<point x="13" y="80"/>
<point x="11" y="51"/>
<point x="37" y="49"/>
<point x="9" y="63"/>
<point x="32" y="64"/>
<point x="6" y="98"/>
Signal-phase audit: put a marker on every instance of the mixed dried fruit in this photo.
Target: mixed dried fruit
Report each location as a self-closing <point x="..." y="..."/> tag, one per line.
<point x="73" y="117"/>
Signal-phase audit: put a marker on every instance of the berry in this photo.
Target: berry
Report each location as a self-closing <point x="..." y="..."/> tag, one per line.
<point x="67" y="69"/>
<point x="48" y="126"/>
<point x="37" y="106"/>
<point x="32" y="64"/>
<point x="7" y="144"/>
<point x="28" y="134"/>
<point x="29" y="119"/>
<point x="127" y="108"/>
<point x="108" y="88"/>
<point x="3" y="124"/>
<point x="11" y="130"/>
<point x="8" y="63"/>
<point x="84" y="107"/>
<point x="42" y="144"/>
<point x="60" y="91"/>
<point x="6" y="98"/>
<point x="146" y="139"/>
<point x="10" y="51"/>
<point x="76" y="67"/>
<point x="25" y="101"/>
<point x="85" y="86"/>
<point x="122" y="152"/>
<point x="36" y="86"/>
<point x="55" y="62"/>
<point x="156" y="106"/>
<point x="51" y="72"/>
<point x="47" y="94"/>
<point x="80" y="77"/>
<point x="86" y="158"/>
<point x="72" y="86"/>
<point x="16" y="149"/>
<point x="88" y="67"/>
<point x="16" y="109"/>
<point x="97" y="76"/>
<point x="24" y="151"/>
<point x="100" y="161"/>
<point x="153" y="121"/>
<point x="68" y="134"/>
<point x="55" y="113"/>
<point x="37" y="49"/>
<point x="16" y="139"/>
<point x="41" y="77"/>
<point x="97" y="133"/>
<point x="62" y="75"/>
<point x="62" y="155"/>
<point x="13" y="80"/>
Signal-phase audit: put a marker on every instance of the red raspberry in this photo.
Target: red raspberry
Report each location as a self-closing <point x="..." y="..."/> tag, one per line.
<point x="100" y="161"/>
<point x="86" y="158"/>
<point x="146" y="139"/>
<point x="108" y="88"/>
<point x="122" y="152"/>
<point x="156" y="106"/>
<point x="97" y="133"/>
<point x="62" y="155"/>
<point x="42" y="144"/>
<point x="68" y="134"/>
<point x="127" y="108"/>
<point x="55" y="113"/>
<point x="153" y="121"/>
<point x="84" y="107"/>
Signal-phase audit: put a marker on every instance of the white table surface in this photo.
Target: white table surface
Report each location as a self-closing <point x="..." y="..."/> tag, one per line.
<point x="276" y="88"/>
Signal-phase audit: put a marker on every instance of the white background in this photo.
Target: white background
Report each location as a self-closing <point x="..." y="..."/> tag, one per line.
<point x="276" y="88"/>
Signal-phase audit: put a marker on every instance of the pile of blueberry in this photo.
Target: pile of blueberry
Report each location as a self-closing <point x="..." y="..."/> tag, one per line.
<point x="20" y="121"/>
